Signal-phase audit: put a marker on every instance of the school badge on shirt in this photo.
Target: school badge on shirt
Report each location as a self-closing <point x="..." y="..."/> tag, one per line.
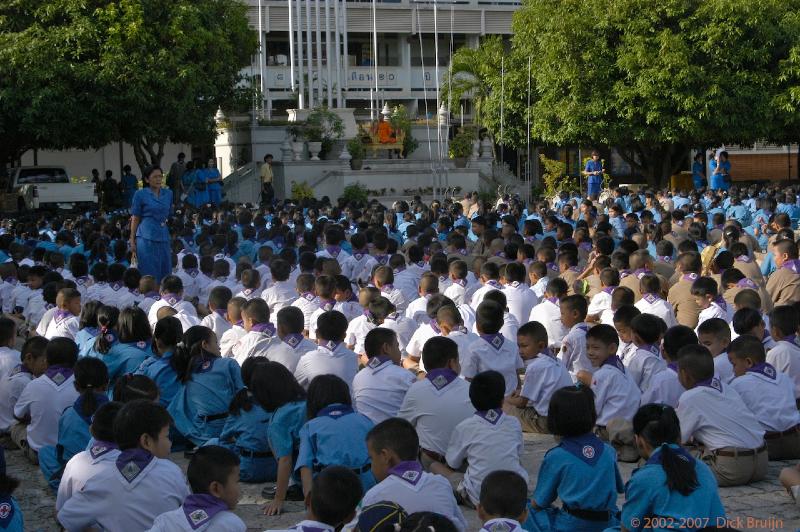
<point x="198" y="516"/>
<point x="130" y="471"/>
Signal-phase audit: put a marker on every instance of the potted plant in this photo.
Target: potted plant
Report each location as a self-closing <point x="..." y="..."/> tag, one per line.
<point x="295" y="131"/>
<point x="321" y="129"/>
<point x="356" y="148"/>
<point x="401" y="123"/>
<point x="461" y="148"/>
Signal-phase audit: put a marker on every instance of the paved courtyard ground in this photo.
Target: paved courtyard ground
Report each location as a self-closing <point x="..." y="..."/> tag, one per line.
<point x="761" y="506"/>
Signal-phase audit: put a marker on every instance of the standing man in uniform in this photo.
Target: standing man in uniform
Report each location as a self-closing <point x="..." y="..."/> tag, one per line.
<point x="267" y="190"/>
<point x="175" y="177"/>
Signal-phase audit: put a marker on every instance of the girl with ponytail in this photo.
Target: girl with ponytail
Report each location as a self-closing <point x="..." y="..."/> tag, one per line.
<point x="209" y="384"/>
<point x="672" y="484"/>
<point x="123" y="340"/>
<point x="91" y="381"/>
<point x="87" y="328"/>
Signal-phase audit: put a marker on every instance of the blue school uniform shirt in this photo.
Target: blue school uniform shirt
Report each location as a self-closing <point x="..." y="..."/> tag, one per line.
<point x="583" y="473"/>
<point x="594" y="166"/>
<point x="247" y="431"/>
<point x="647" y="495"/>
<point x="284" y="428"/>
<point x="212" y="173"/>
<point x="697" y="174"/>
<point x="85" y="340"/>
<point x="122" y="359"/>
<point x="153" y="212"/>
<point x="717" y="180"/>
<point x="10" y="515"/>
<point x="337" y="436"/>
<point x="161" y="371"/>
<point x="208" y="392"/>
<point x="740" y="213"/>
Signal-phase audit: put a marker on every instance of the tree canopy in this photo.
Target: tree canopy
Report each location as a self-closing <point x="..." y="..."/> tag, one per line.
<point x="82" y="73"/>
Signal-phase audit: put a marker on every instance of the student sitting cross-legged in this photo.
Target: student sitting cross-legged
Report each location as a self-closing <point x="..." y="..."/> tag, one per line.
<point x="503" y="504"/>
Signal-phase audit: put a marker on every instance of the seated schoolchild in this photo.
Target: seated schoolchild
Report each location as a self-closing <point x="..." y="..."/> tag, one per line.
<point x="334" y="434"/>
<point x="260" y="334"/>
<point x="384" y="314"/>
<point x="548" y="312"/>
<point x="346" y="301"/>
<point x="785" y="355"/>
<point x="234" y="334"/>
<point x="769" y="394"/>
<point x="325" y="288"/>
<point x="503" y="502"/>
<point x="672" y="484"/>
<point x="123" y="342"/>
<point x="218" y="301"/>
<point x="251" y="284"/>
<point x="751" y="321"/>
<point x="573" y="346"/>
<point x="143" y="483"/>
<point x="213" y="475"/>
<point x="149" y="290"/>
<point x="712" y="415"/>
<point x="171" y="296"/>
<point x="393" y="448"/>
<point x="425" y="332"/>
<point x="581" y="470"/>
<point x="33" y="363"/>
<point x="209" y="383"/>
<point x="494" y="351"/>
<point x="715" y="335"/>
<point x="244" y="431"/>
<point x="91" y="380"/>
<point x="293" y="345"/>
<point x="652" y="302"/>
<point x="379" y="388"/>
<point x="12" y="518"/>
<point x="101" y="454"/>
<point x="711" y="303"/>
<point x="436" y="404"/>
<point x="359" y="326"/>
<point x="166" y="337"/>
<point x="132" y="387"/>
<point x="646" y="361"/>
<point x="487" y="441"/>
<point x="65" y="322"/>
<point x="332" y="499"/>
<point x="544" y="375"/>
<point x="665" y="387"/>
<point x="43" y="399"/>
<point x="331" y="355"/>
<point x="600" y="302"/>
<point x="9" y="357"/>
<point x="307" y="300"/>
<point x="87" y="328"/>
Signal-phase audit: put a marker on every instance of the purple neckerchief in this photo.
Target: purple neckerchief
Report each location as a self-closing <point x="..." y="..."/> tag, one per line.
<point x="441" y="377"/>
<point x="679" y="223"/>
<point x="552" y="266"/>
<point x="435" y="327"/>
<point x="665" y="258"/>
<point x="335" y="410"/>
<point x="651" y="298"/>
<point x="547" y="352"/>
<point x="609" y="289"/>
<point x="514" y="284"/>
<point x="62" y="315"/>
<point x="131" y="462"/>
<point x="420" y="264"/>
<point x="641" y="272"/>
<point x="221" y="313"/>
<point x="615" y="362"/>
<point x="743" y="258"/>
<point x="153" y="295"/>
<point x="82" y="280"/>
<point x="308" y="296"/>
<point x="793" y="265"/>
<point x="462" y="252"/>
<point x="392" y="317"/>
<point x="116" y="286"/>
<point x="655" y="458"/>
<point x="401" y="269"/>
<point x="359" y="254"/>
<point x="263" y="328"/>
<point x="713" y="383"/>
<point x="48" y="306"/>
<point x="528" y="262"/>
<point x="506" y="525"/>
<point x="553" y="300"/>
<point x="586" y="447"/>
<point x="376" y="362"/>
<point x="58" y="374"/>
<point x="442" y="279"/>
<point x="239" y="323"/>
<point x="492" y="416"/>
<point x="100" y="447"/>
<point x="494" y="284"/>
<point x="171" y="299"/>
<point x="352" y="299"/>
<point x="99" y="400"/>
<point x="575" y="269"/>
<point x="689" y="276"/>
<point x="501" y="254"/>
<point x="495" y="340"/>
<point x="292" y="340"/>
<point x="382" y="259"/>
<point x="333" y="251"/>
<point x="327" y="304"/>
<point x="530" y="239"/>
<point x="585" y="246"/>
<point x="12" y="281"/>
<point x="19" y="368"/>
<point x="654" y="349"/>
<point x="768" y="370"/>
<point x="460" y="282"/>
<point x="721" y="303"/>
<point x="248" y="291"/>
<point x="673" y="366"/>
<point x="385" y="289"/>
<point x="410" y="472"/>
<point x="330" y="345"/>
<point x="192" y="272"/>
<point x="200" y="508"/>
<point x="624" y="273"/>
<point x="746" y="283"/>
<point x="367" y="314"/>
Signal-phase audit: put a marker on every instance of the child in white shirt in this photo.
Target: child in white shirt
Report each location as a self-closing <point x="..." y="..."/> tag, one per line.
<point x="218" y="301"/>
<point x="785" y="356"/>
<point x="171" y="296"/>
<point x="346" y="301"/>
<point x="537" y="273"/>
<point x="383" y="279"/>
<point x="715" y="334"/>
<point x="548" y="313"/>
<point x="652" y="302"/>
<point x="519" y="298"/>
<point x="65" y="322"/>
<point x="385" y="315"/>
<point x="458" y="276"/>
<point x="428" y="286"/>
<point x="750" y="321"/>
<point x="189" y="275"/>
<point x="260" y="334"/>
<point x="307" y="300"/>
<point x="32" y="365"/>
<point x="573" y="346"/>
<point x="503" y="502"/>
<point x="331" y="355"/>
<point x="325" y="288"/>
<point x="235" y="333"/>
<point x="425" y="332"/>
<point x="712" y="305"/>
<point x="250" y="284"/>
<point x="609" y="280"/>
<point x="293" y="345"/>
<point x="9" y="357"/>
<point x="149" y="290"/>
<point x="282" y="292"/>
<point x="646" y="361"/>
<point x="665" y="387"/>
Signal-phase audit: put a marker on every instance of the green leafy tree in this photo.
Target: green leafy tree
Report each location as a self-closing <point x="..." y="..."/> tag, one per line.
<point x="656" y="78"/>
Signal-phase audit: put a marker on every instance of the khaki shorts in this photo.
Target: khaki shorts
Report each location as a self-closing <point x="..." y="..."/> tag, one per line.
<point x="744" y="467"/>
<point x="19" y="436"/>
<point x="529" y="418"/>
<point x="784" y="446"/>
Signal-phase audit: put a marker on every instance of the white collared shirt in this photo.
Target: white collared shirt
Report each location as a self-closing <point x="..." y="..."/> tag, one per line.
<point x="658" y="307"/>
<point x="416" y="310"/>
<point x="573" y="351"/>
<point x="307" y="526"/>
<point x="252" y="344"/>
<point x="456" y="293"/>
<point x="217" y="323"/>
<point x="770" y="399"/>
<point x="714" y="311"/>
<point x="549" y="315"/>
<point x="520" y="300"/>
<point x="9" y="359"/>
<point x="45" y="401"/>
<point x="417" y="342"/>
<point x="181" y="306"/>
<point x="279" y="295"/>
<point x="66" y="327"/>
<point x="785" y="356"/>
<point x="403" y="327"/>
<point x="615" y="394"/>
<point x="502" y="357"/>
<point x="11" y="388"/>
<point x="600" y="301"/>
<point x="505" y="524"/>
<point x="723" y="368"/>
<point x="191" y="288"/>
<point x="378" y="389"/>
<point x="540" y="287"/>
<point x="289" y="355"/>
<point x="544" y="375"/>
<point x="340" y="362"/>
<point x="642" y="365"/>
<point x="665" y="388"/>
<point x="357" y="331"/>
<point x="308" y="308"/>
<point x="81" y="468"/>
<point x="176" y="521"/>
<point x="229" y="339"/>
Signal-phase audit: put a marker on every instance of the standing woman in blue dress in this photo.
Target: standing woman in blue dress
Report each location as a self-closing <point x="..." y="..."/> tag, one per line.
<point x="698" y="172"/>
<point x="720" y="172"/>
<point x="594" y="175"/>
<point x="149" y="234"/>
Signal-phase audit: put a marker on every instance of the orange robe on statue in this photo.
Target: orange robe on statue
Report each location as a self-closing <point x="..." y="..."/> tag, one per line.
<point x="385" y="133"/>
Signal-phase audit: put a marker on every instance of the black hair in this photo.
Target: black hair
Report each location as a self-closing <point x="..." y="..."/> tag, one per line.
<point x="292" y="319"/>
<point x="243" y="400"/>
<point x="210" y="463"/>
<point x="102" y="427"/>
<point x="62" y="352"/>
<point x="36" y="346"/>
<point x="677" y="337"/>
<point x="133" y="326"/>
<point x="273" y="386"/>
<point x="438" y="351"/>
<point x="219" y="297"/>
<point x="91" y="374"/>
<point x="191" y="354"/>
<point x="504" y="494"/>
<point x="8" y="330"/>
<point x="332" y="326"/>
<point x="168" y="331"/>
<point x="660" y="427"/>
<point x="571" y="411"/>
<point x="487" y="389"/>
<point x="576" y="303"/>
<point x="335" y="493"/>
<point x="785" y="319"/>
<point x="427" y="522"/>
<point x="697" y="361"/>
<point x="397" y="435"/>
<point x="89" y="314"/>
<point x="557" y="287"/>
<point x="326" y="390"/>
<point x="606" y="334"/>
<point x="647" y="327"/>
<point x="489" y="317"/>
<point x="534" y="330"/>
<point x="376" y="339"/>
<point x="625" y="314"/>
<point x="131" y="387"/>
<point x="717" y="327"/>
<point x="136" y="418"/>
<point x="107" y="317"/>
<point x="748" y="345"/>
<point x="745" y="320"/>
<point x="705" y="286"/>
<point x="171" y="284"/>
<point x="257" y="310"/>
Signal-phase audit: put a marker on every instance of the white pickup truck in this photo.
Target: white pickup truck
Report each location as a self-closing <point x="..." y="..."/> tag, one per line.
<point x="49" y="187"/>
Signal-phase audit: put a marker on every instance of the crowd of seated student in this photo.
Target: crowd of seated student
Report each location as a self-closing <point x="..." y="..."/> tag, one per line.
<point x="384" y="366"/>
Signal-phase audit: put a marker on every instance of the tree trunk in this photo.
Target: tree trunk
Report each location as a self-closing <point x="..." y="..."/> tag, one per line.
<point x="656" y="163"/>
<point x="148" y="153"/>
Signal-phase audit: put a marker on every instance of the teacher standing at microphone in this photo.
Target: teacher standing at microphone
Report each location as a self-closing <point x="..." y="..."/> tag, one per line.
<point x="149" y="239"/>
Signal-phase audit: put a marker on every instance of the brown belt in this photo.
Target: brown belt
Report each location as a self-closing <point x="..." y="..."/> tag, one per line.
<point x="739" y="452"/>
<point x="776" y="435"/>
<point x="436" y="457"/>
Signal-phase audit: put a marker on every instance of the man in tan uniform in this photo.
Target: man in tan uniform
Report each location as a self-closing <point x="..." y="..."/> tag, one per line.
<point x="783" y="285"/>
<point x="680" y="296"/>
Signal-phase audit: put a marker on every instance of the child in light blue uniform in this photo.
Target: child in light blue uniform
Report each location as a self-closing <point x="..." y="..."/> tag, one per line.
<point x="278" y="392"/>
<point x="245" y="429"/>
<point x="10" y="512"/>
<point x="123" y="341"/>
<point x="581" y="471"/>
<point x="335" y="434"/>
<point x="166" y="337"/>
<point x="87" y="331"/>
<point x="91" y="380"/>
<point x="672" y="484"/>
<point x="209" y="383"/>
